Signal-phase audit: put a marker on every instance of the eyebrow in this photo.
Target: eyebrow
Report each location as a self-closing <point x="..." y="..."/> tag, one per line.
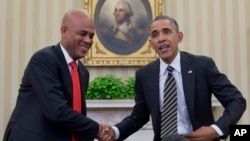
<point x="85" y="31"/>
<point x="153" y="31"/>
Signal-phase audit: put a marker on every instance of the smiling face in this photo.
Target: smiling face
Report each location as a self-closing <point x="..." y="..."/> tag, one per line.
<point x="77" y="32"/>
<point x="164" y="39"/>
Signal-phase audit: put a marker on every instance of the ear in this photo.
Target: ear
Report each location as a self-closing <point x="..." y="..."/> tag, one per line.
<point x="180" y="35"/>
<point x="63" y="30"/>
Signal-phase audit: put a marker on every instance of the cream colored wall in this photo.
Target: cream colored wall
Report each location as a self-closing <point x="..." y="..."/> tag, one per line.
<point x="217" y="28"/>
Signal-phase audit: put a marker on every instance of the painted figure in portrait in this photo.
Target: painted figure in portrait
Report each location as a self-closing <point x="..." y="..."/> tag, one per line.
<point x="124" y="29"/>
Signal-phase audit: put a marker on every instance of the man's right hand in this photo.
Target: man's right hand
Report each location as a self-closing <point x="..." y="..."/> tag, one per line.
<point x="108" y="134"/>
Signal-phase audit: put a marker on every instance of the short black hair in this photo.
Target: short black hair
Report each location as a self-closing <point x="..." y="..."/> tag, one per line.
<point x="172" y="20"/>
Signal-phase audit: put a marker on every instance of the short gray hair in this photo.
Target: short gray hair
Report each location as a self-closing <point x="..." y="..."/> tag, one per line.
<point x="127" y="7"/>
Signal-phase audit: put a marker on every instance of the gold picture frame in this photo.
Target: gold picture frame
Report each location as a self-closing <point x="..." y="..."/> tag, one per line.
<point x="106" y="51"/>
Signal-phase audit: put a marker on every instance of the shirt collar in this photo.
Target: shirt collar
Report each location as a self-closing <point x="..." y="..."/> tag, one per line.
<point x="67" y="57"/>
<point x="128" y="24"/>
<point x="176" y="64"/>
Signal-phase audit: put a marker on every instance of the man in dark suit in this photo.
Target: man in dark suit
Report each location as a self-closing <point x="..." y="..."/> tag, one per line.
<point x="197" y="78"/>
<point x="44" y="110"/>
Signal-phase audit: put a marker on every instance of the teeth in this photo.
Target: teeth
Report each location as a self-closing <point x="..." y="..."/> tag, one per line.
<point x="165" y="46"/>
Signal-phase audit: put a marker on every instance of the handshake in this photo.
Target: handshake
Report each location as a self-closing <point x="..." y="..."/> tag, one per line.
<point x="106" y="133"/>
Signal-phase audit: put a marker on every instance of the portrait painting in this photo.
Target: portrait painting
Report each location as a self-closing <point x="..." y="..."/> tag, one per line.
<point x="121" y="31"/>
<point x="122" y="25"/>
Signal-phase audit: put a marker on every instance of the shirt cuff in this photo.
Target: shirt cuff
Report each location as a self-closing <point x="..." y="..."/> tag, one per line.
<point x="117" y="132"/>
<point x="217" y="129"/>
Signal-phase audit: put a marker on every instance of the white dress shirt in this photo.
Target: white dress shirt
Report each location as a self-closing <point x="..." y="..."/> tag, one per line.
<point x="183" y="120"/>
<point x="67" y="57"/>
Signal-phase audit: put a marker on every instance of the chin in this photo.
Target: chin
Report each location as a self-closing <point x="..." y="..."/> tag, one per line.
<point x="164" y="56"/>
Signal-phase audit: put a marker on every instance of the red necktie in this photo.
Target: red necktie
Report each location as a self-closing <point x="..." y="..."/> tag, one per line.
<point x="76" y="91"/>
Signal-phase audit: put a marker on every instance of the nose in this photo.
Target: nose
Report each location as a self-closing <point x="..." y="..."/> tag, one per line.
<point x="162" y="38"/>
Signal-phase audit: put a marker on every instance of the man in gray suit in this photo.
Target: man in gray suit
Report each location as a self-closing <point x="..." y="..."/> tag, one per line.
<point x="197" y="78"/>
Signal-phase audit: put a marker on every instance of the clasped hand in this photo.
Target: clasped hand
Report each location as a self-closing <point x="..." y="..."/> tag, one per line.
<point x="106" y="134"/>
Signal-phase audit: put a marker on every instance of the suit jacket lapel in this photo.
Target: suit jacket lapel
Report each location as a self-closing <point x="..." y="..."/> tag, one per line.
<point x="188" y="79"/>
<point x="154" y="92"/>
<point x="154" y="84"/>
<point x="84" y="80"/>
<point x="66" y="80"/>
